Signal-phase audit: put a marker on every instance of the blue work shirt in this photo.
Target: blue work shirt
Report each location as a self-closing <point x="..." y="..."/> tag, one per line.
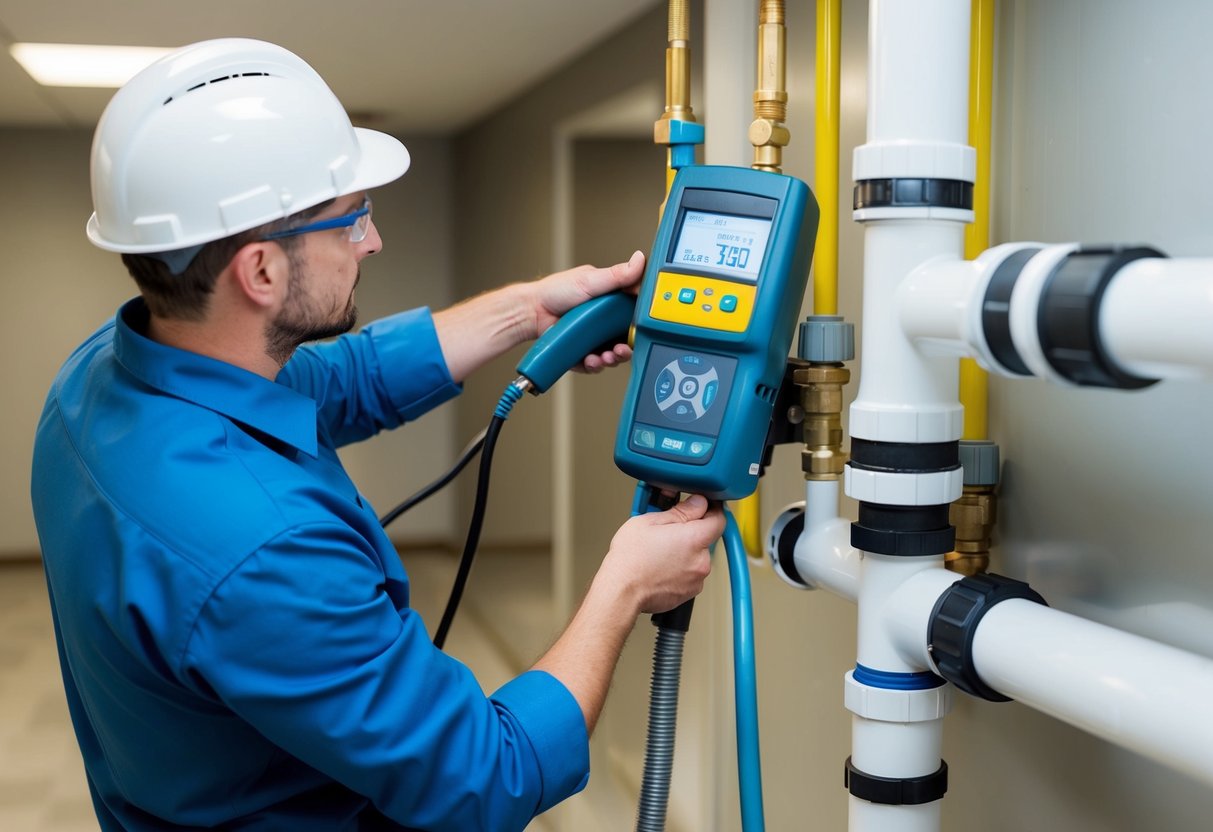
<point x="234" y="625"/>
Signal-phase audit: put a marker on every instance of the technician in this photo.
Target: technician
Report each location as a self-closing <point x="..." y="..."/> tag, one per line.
<point x="233" y="625"/>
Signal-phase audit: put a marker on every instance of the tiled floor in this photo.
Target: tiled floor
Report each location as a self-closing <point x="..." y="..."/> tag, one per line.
<point x="42" y="787"/>
<point x="41" y="778"/>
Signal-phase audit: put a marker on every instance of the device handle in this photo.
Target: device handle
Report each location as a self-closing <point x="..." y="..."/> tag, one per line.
<point x="593" y="326"/>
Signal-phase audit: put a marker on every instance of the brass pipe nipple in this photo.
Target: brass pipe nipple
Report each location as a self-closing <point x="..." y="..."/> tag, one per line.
<point x="767" y="132"/>
<point x="825" y="342"/>
<point x="677" y="72"/>
<point x="976" y="512"/>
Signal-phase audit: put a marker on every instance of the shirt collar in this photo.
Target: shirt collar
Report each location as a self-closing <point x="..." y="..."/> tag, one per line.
<point x="239" y="394"/>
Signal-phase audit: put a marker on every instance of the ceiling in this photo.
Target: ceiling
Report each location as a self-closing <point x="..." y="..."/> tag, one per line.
<point x="413" y="67"/>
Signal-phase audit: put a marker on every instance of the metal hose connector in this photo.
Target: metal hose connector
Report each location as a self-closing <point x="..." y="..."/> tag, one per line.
<point x="663" y="718"/>
<point x="767" y="132"/>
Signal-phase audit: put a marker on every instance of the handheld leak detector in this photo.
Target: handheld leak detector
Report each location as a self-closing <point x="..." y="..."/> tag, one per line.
<point x="714" y="320"/>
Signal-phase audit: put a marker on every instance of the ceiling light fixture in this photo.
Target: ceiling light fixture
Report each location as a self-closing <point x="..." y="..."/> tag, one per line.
<point x="78" y="65"/>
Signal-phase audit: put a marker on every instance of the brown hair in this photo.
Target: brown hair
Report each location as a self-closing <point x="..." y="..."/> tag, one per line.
<point x="185" y="296"/>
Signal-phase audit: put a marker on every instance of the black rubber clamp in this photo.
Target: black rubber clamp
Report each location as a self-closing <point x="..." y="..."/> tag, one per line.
<point x="785" y="548"/>
<point x="954" y="624"/>
<point x="913" y="193"/>
<point x="1068" y="317"/>
<point x="905" y="457"/>
<point x="896" y="791"/>
<point x="904" y="531"/>
<point x="996" y="311"/>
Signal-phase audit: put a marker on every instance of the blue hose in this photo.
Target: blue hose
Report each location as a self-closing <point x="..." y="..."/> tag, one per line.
<point x="745" y="680"/>
<point x="663" y="703"/>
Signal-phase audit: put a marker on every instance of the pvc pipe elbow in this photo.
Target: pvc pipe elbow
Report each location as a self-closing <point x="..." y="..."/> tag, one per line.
<point x="809" y="545"/>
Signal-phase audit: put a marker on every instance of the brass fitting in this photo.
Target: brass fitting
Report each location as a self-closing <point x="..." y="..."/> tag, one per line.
<point x="821" y="399"/>
<point x="677" y="71"/>
<point x="974" y="516"/>
<point x="767" y="133"/>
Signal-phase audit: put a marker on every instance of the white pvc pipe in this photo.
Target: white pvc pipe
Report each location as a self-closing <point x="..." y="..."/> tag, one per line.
<point x="1156" y="319"/>
<point x="918" y="91"/>
<point x="906" y="615"/>
<point x="895" y="749"/>
<point x="881" y="579"/>
<point x="903" y="395"/>
<point x="863" y="816"/>
<point x="935" y="304"/>
<point x="824" y="556"/>
<point x="1142" y="695"/>
<point x="820" y="502"/>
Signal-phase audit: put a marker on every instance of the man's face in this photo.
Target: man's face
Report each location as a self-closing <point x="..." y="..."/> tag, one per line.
<point x="324" y="271"/>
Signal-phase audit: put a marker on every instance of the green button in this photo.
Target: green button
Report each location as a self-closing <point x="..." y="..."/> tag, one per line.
<point x="728" y="303"/>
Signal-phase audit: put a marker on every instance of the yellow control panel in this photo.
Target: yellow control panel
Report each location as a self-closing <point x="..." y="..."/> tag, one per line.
<point x="703" y="301"/>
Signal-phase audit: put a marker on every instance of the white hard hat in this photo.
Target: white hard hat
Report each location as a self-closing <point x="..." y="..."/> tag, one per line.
<point x="220" y="137"/>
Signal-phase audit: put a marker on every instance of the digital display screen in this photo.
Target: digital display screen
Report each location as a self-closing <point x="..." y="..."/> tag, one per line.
<point x="725" y="243"/>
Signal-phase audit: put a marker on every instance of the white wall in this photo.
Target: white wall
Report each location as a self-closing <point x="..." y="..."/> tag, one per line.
<point x="56" y="288"/>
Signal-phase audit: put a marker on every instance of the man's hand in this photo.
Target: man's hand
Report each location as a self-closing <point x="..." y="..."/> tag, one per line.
<point x="556" y="294"/>
<point x="482" y="328"/>
<point x="660" y="560"/>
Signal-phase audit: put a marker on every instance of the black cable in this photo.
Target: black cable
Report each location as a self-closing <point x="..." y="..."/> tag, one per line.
<point x="473" y="538"/>
<point x="437" y="485"/>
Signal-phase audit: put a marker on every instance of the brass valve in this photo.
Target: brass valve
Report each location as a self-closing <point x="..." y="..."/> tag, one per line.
<point x="821" y="399"/>
<point x="976" y="512"/>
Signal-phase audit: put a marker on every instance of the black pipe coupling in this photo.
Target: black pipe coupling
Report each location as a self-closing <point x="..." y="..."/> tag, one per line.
<point x="896" y="791"/>
<point x="1068" y="317"/>
<point x="1067" y="312"/>
<point x="954" y="624"/>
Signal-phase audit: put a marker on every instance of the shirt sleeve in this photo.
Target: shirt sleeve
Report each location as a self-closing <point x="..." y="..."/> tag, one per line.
<point x="390" y="372"/>
<point x="302" y="642"/>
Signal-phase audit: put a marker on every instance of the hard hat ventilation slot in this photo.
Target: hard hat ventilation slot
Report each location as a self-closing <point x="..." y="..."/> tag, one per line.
<point x="217" y="80"/>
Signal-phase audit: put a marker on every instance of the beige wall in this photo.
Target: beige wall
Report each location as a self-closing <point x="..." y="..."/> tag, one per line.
<point x="504" y="187"/>
<point x="57" y="288"/>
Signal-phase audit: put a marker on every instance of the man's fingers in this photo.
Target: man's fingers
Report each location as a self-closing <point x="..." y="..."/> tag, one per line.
<point x="692" y="508"/>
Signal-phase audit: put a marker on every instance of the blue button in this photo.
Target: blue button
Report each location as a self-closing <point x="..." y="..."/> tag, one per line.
<point x="700" y="448"/>
<point x="709" y="393"/>
<point x="668" y="295"/>
<point x="665" y="385"/>
<point x="669" y="443"/>
<point x="688" y="388"/>
<point x="728" y="303"/>
<point x="644" y="438"/>
<point x="688" y="296"/>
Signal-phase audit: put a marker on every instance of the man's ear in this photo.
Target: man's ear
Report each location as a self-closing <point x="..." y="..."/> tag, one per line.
<point x="259" y="271"/>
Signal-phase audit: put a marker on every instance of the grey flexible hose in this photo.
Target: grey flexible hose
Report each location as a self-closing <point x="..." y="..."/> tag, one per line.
<point x="663" y="717"/>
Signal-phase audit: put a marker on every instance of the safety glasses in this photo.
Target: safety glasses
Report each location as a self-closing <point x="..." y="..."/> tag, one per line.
<point x="358" y="222"/>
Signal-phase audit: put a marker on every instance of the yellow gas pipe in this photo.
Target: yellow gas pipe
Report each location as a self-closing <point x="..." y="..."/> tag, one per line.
<point x="975" y="513"/>
<point x="825" y="175"/>
<point x="974" y="381"/>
